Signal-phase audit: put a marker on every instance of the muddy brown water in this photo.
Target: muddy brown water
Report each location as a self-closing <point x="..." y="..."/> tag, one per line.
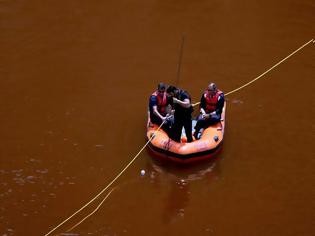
<point x="75" y="81"/>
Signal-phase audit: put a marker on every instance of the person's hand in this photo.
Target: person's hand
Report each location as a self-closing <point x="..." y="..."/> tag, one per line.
<point x="169" y="117"/>
<point x="175" y="100"/>
<point x="206" y="116"/>
<point x="149" y="124"/>
<point x="163" y="118"/>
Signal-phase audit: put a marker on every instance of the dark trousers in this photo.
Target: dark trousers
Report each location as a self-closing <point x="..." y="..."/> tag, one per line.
<point x="205" y="123"/>
<point x="179" y="123"/>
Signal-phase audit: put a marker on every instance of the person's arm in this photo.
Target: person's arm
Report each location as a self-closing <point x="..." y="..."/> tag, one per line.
<point x="152" y="102"/>
<point x="149" y="120"/>
<point x="153" y="106"/>
<point x="185" y="103"/>
<point x="157" y="113"/>
<point x="220" y="105"/>
<point x="202" y="105"/>
<point x="170" y="106"/>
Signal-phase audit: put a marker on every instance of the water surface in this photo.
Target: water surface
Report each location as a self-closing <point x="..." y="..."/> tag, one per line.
<point x="75" y="81"/>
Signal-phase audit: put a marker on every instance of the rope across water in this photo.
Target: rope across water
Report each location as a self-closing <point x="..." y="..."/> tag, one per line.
<point x="104" y="189"/>
<point x="135" y="157"/>
<point x="270" y="69"/>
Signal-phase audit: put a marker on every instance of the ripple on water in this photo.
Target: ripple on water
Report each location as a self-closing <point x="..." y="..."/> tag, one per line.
<point x="99" y="145"/>
<point x="19" y="181"/>
<point x="43" y="171"/>
<point x="181" y="212"/>
<point x="69" y="234"/>
<point x="6" y="193"/>
<point x="236" y="101"/>
<point x="33" y="160"/>
<point x="31" y="179"/>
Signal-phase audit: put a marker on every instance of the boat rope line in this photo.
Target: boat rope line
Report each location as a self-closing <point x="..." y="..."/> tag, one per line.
<point x="152" y="136"/>
<point x="104" y="189"/>
<point x="270" y="69"/>
<point x="99" y="205"/>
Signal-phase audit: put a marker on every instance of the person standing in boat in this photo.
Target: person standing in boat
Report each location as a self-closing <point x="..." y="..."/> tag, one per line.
<point x="182" y="115"/>
<point x="158" y="108"/>
<point x="211" y="105"/>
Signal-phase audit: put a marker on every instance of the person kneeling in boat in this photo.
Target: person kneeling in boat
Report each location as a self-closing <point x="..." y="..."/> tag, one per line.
<point x="182" y="115"/>
<point x="159" y="104"/>
<point x="211" y="105"/>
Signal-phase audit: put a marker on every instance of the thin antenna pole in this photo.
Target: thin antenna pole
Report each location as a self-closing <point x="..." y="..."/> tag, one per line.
<point x="180" y="59"/>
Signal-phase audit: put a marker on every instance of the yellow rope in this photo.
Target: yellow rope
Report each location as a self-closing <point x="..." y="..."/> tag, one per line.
<point x="258" y="77"/>
<point x="104" y="189"/>
<point x="93" y="199"/>
<point x="91" y="212"/>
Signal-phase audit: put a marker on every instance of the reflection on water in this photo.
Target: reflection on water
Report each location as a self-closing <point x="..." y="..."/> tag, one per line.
<point x="180" y="179"/>
<point x="197" y="171"/>
<point x="176" y="201"/>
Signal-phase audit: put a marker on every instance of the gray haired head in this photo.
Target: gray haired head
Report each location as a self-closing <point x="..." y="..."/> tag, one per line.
<point x="212" y="87"/>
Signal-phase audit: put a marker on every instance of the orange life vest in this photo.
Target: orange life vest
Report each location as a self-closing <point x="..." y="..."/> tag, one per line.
<point x="161" y="101"/>
<point x="211" y="101"/>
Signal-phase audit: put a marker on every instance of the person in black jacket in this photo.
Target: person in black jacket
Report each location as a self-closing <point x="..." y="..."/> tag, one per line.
<point x="182" y="116"/>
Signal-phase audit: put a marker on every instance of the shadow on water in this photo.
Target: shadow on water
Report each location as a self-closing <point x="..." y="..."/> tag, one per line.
<point x="179" y="181"/>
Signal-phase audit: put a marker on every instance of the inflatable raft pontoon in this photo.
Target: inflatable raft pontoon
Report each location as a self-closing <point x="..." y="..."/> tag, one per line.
<point x="204" y="148"/>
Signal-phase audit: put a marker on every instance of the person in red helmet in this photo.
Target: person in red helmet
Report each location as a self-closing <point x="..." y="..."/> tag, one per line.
<point x="211" y="105"/>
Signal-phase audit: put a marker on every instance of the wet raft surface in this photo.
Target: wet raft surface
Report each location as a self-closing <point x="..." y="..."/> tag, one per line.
<point x="75" y="81"/>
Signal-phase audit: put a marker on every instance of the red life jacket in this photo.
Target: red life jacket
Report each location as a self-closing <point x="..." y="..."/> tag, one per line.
<point x="161" y="102"/>
<point x="211" y="101"/>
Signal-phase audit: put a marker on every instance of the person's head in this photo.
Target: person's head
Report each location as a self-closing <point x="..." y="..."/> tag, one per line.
<point x="212" y="88"/>
<point x="161" y="87"/>
<point x="171" y="90"/>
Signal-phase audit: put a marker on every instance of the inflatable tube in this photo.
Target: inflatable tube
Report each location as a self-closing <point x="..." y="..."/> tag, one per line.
<point x="206" y="147"/>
